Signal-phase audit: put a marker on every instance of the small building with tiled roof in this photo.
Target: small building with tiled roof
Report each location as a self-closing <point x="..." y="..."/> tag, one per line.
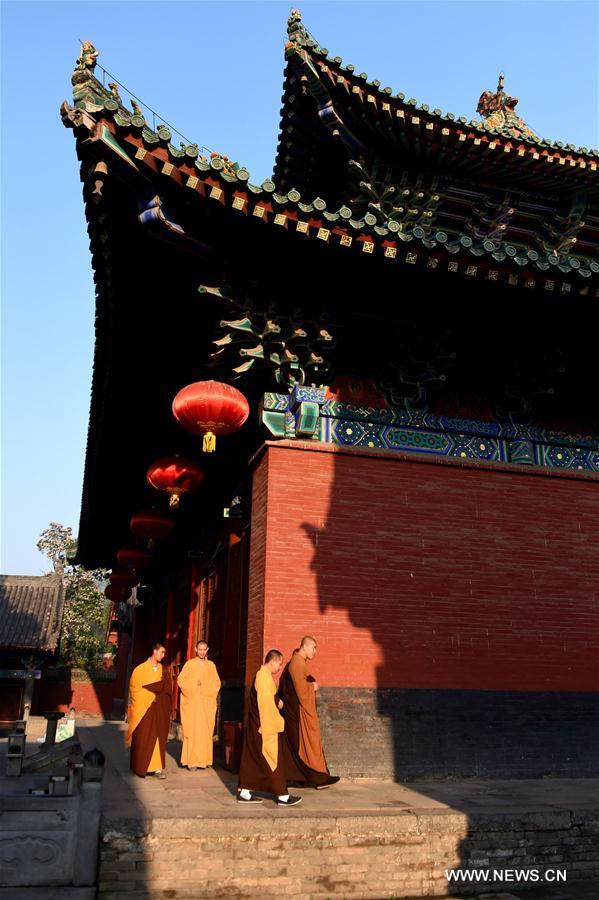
<point x="410" y="306"/>
<point x="30" y="613"/>
<point x="31" y="609"/>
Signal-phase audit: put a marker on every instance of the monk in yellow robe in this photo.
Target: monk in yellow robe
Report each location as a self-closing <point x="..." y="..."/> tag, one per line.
<point x="150" y="691"/>
<point x="304" y="759"/>
<point x="199" y="685"/>
<point x="262" y="759"/>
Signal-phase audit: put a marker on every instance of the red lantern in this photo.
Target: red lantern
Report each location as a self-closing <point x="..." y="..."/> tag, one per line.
<point x="123" y="578"/>
<point x="175" y="476"/>
<point x="134" y="558"/>
<point x="152" y="526"/>
<point x="117" y="593"/>
<point x="210" y="408"/>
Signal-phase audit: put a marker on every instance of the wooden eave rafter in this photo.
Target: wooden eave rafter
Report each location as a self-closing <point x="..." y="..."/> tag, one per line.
<point x="455" y="253"/>
<point x="394" y="123"/>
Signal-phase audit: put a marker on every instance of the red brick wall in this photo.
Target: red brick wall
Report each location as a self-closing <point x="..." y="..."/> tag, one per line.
<point x="416" y="573"/>
<point x="256" y="587"/>
<point x="88" y="698"/>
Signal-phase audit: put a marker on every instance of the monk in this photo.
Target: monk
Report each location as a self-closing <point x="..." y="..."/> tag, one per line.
<point x="304" y="760"/>
<point x="149" y="717"/>
<point x="262" y="760"/>
<point x="199" y="684"/>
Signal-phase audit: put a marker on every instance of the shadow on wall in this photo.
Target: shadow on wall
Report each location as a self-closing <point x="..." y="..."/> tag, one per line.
<point x="456" y="609"/>
<point x="90" y="693"/>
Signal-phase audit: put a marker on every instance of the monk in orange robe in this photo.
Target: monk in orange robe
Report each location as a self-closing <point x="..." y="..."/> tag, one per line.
<point x="303" y="755"/>
<point x="199" y="685"/>
<point x="149" y="716"/>
<point x="261" y="760"/>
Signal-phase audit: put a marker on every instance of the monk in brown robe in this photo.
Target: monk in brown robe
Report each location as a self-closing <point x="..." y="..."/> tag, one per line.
<point x="262" y="760"/>
<point x="199" y="685"/>
<point x="304" y="760"/>
<point x="149" y="717"/>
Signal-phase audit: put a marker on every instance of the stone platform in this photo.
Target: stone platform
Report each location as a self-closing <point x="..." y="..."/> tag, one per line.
<point x="186" y="837"/>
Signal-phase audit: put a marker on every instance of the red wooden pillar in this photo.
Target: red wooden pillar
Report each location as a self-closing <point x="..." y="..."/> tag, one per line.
<point x="232" y="598"/>
<point x="168" y="630"/>
<point x="120" y="690"/>
<point x="194" y="612"/>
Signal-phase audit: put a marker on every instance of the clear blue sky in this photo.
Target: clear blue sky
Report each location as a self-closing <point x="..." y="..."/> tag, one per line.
<point x="214" y="70"/>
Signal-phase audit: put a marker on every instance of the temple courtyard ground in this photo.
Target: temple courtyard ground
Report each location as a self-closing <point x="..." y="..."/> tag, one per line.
<point x="186" y="837"/>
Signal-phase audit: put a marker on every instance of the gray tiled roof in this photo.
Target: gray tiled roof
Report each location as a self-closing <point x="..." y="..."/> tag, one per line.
<point x="30" y="611"/>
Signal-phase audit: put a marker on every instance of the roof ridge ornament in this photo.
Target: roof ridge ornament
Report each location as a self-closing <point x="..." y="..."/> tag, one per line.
<point x="87" y="59"/>
<point x="498" y="109"/>
<point x="88" y="92"/>
<point x="295" y="30"/>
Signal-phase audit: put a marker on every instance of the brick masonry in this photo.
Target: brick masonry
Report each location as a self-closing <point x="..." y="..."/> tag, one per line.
<point x="91" y="693"/>
<point x="488" y="734"/>
<point x="442" y="593"/>
<point x="403" y="855"/>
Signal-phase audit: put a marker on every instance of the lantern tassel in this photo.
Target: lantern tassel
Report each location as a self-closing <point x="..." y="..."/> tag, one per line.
<point x="173" y="501"/>
<point x="209" y="442"/>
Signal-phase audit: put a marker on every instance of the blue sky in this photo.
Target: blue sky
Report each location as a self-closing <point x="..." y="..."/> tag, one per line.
<point x="214" y="71"/>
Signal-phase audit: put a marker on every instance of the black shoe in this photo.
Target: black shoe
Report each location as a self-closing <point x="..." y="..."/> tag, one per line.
<point x="252" y="799"/>
<point x="291" y="801"/>
<point x="332" y="779"/>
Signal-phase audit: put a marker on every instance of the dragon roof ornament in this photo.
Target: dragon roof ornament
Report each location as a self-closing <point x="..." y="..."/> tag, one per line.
<point x="296" y="32"/>
<point x="498" y="110"/>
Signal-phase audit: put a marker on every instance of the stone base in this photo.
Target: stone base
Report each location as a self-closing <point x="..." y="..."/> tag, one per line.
<point x="48" y="893"/>
<point x="46" y="759"/>
<point x="366" y="857"/>
<point x="405" y="734"/>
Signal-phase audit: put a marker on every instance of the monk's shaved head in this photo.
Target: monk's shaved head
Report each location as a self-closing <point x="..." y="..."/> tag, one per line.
<point x="202" y="650"/>
<point x="158" y="652"/>
<point x="271" y="655"/>
<point x="307" y="640"/>
<point x="308" y="647"/>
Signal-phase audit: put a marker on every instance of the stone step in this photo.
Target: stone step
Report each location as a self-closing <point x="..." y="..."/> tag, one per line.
<point x="366" y="857"/>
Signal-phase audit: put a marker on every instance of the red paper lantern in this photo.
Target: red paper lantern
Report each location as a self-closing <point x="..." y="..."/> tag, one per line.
<point x="210" y="408"/>
<point x="151" y="525"/>
<point x="117" y="593"/>
<point x="175" y="476"/>
<point x="134" y="558"/>
<point x="123" y="578"/>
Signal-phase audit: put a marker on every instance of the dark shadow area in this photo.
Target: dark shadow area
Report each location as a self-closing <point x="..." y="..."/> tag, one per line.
<point x="467" y="630"/>
<point x="229" y="779"/>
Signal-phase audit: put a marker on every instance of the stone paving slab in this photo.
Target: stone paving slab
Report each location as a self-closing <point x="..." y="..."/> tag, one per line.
<point x="379" y="823"/>
<point x="210" y="794"/>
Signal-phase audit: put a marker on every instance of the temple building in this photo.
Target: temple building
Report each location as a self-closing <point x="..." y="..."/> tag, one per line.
<point x="410" y="307"/>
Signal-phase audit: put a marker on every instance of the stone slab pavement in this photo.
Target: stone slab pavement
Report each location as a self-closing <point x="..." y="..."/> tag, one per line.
<point x="185" y="800"/>
<point x="210" y="793"/>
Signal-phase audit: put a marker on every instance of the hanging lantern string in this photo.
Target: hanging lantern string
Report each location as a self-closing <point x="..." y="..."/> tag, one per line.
<point x="155" y="116"/>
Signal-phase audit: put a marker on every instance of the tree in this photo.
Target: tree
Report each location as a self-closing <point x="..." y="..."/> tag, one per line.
<point x="86" y="608"/>
<point x="58" y="544"/>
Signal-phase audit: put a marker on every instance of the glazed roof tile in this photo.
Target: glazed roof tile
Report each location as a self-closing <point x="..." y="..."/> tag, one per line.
<point x="30" y="611"/>
<point x="387" y="93"/>
<point x="129" y="130"/>
<point x="234" y="177"/>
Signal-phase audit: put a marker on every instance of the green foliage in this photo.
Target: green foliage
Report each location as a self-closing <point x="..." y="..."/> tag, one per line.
<point x="84" y="620"/>
<point x="58" y="544"/>
<point x="86" y="609"/>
